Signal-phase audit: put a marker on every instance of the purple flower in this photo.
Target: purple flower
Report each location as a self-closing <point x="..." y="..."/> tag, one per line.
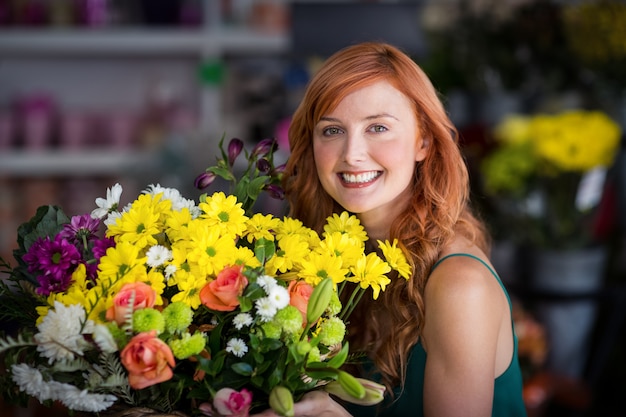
<point x="204" y="180"/>
<point x="275" y="191"/>
<point x="235" y="146"/>
<point x="279" y="169"/>
<point x="100" y="247"/>
<point x="264" y="147"/>
<point x="263" y="165"/>
<point x="80" y="229"/>
<point x="53" y="262"/>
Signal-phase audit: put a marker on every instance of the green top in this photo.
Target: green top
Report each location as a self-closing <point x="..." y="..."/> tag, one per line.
<point x="507" y="399"/>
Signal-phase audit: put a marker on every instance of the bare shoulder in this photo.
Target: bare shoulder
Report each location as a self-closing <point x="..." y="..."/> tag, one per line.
<point x="462" y="275"/>
<point x="462" y="290"/>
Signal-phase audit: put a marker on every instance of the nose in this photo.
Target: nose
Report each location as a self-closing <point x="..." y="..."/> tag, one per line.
<point x="354" y="149"/>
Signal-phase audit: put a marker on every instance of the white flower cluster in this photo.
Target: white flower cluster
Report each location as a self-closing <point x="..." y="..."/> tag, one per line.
<point x="178" y="201"/>
<point x="277" y="298"/>
<point x="32" y="382"/>
<point x="61" y="333"/>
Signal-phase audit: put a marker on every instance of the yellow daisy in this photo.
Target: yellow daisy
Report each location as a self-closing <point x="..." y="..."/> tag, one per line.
<point x="210" y="251"/>
<point x="345" y="223"/>
<point x="189" y="291"/>
<point x="261" y="226"/>
<point x="177" y="224"/>
<point x="395" y="257"/>
<point x="225" y="213"/>
<point x="370" y="271"/>
<point x="318" y="266"/>
<point x="343" y="246"/>
<point x="138" y="225"/>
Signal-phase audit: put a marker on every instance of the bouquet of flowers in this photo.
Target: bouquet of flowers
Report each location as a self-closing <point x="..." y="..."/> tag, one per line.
<point x="201" y="308"/>
<point x="548" y="171"/>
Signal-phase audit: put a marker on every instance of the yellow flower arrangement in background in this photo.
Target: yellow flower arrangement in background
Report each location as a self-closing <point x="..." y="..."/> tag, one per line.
<point x="552" y="167"/>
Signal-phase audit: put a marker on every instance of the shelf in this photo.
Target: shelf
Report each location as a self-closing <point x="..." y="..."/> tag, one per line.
<point x="22" y="164"/>
<point x="26" y="42"/>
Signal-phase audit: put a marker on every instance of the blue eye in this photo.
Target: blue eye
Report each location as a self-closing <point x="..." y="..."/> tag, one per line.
<point x="331" y="131"/>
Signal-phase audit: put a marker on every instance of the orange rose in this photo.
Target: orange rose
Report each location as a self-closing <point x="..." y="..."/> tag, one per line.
<point x="221" y="293"/>
<point x="299" y="294"/>
<point x="144" y="296"/>
<point x="148" y="360"/>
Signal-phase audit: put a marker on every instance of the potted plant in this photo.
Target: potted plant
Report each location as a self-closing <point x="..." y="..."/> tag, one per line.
<point x="546" y="177"/>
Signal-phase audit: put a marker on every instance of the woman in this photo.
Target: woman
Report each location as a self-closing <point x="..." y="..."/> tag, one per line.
<point x="372" y="128"/>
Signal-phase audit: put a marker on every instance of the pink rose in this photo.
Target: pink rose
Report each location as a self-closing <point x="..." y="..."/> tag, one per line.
<point x="148" y="360"/>
<point x="144" y="296"/>
<point x="299" y="294"/>
<point x="228" y="402"/>
<point x="221" y="293"/>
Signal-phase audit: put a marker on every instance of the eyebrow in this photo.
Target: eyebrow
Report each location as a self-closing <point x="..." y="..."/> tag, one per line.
<point x="372" y="117"/>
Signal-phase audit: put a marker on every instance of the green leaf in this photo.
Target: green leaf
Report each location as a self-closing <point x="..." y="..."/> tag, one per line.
<point x="339" y="359"/>
<point x="264" y="249"/>
<point x="255" y="186"/>
<point x="222" y="171"/>
<point x="242" y="368"/>
<point x="245" y="304"/>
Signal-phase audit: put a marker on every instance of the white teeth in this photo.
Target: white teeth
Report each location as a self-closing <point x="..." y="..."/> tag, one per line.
<point x="360" y="178"/>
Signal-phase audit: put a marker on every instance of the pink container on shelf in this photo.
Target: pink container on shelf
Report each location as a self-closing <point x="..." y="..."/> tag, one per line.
<point x="36" y="117"/>
<point x="7" y="129"/>
<point x="121" y="129"/>
<point x="76" y="130"/>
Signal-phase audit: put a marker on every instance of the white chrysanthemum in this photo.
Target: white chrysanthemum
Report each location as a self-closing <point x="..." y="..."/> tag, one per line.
<point x="104" y="339"/>
<point x="61" y="332"/>
<point x="266" y="308"/>
<point x="242" y="320"/>
<point x="169" y="271"/>
<point x="237" y="347"/>
<point x="195" y="211"/>
<point x="178" y="201"/>
<point x="157" y="255"/>
<point x="266" y="282"/>
<point x="279" y="296"/>
<point x="108" y="204"/>
<point x="30" y="381"/>
<point x="112" y="218"/>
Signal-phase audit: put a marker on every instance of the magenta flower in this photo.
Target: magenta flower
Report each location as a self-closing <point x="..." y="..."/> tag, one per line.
<point x="80" y="229"/>
<point x="100" y="247"/>
<point x="52" y="262"/>
<point x="228" y="402"/>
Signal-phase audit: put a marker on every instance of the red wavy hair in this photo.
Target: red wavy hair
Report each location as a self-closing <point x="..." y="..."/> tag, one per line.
<point x="439" y="207"/>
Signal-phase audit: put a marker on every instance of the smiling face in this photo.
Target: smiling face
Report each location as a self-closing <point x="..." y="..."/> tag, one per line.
<point x="365" y="151"/>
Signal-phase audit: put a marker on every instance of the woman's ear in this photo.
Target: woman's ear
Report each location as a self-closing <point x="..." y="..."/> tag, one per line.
<point x="423" y="150"/>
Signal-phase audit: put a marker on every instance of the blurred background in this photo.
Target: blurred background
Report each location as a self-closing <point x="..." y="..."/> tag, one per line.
<point x="94" y="92"/>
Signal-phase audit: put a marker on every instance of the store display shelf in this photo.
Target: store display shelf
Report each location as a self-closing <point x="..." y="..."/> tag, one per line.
<point x="138" y="41"/>
<point x="30" y="164"/>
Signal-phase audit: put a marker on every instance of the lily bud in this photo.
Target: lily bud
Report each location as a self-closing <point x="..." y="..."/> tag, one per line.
<point x="235" y="146"/>
<point x="263" y="148"/>
<point x="281" y="401"/>
<point x="351" y="385"/>
<point x="263" y="165"/>
<point x="275" y="191"/>
<point x="374" y="393"/>
<point x="203" y="180"/>
<point x="318" y="302"/>
<point x="279" y="169"/>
